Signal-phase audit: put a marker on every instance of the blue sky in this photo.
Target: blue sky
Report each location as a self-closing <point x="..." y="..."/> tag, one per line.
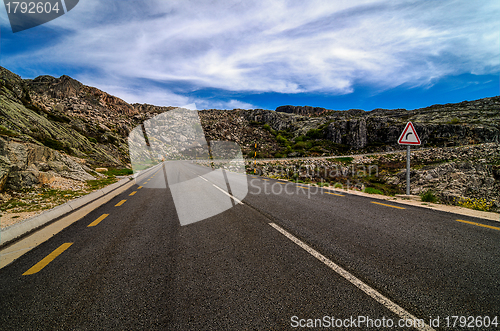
<point x="263" y="54"/>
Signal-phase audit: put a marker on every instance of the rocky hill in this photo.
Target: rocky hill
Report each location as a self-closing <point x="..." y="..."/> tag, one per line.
<point x="439" y="125"/>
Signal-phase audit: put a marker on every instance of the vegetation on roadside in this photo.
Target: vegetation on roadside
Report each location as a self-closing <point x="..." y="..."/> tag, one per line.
<point x="42" y="198"/>
<point x="119" y="172"/>
<point x="372" y="190"/>
<point x="38" y="199"/>
<point x="344" y="160"/>
<point x="428" y="196"/>
<point x="96" y="184"/>
<point x="473" y="203"/>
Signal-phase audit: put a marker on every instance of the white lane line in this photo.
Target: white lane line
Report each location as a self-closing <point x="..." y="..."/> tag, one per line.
<point x="229" y="195"/>
<point x="206" y="180"/>
<point x="354" y="280"/>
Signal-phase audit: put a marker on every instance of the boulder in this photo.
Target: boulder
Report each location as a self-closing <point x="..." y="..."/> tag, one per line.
<point x="23" y="165"/>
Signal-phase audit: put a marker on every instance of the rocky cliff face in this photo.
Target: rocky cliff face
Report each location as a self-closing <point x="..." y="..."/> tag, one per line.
<point x="439" y="125"/>
<point x="378" y="130"/>
<point x="24" y="164"/>
<point x="47" y="123"/>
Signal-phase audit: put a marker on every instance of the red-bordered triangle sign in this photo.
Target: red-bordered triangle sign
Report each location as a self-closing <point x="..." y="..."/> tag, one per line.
<point x="409" y="136"/>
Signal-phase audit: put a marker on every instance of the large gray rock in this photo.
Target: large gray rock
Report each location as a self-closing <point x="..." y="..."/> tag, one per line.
<point x="352" y="133"/>
<point x="23" y="165"/>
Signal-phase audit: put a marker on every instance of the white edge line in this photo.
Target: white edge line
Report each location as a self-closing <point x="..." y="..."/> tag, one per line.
<point x="354" y="280"/>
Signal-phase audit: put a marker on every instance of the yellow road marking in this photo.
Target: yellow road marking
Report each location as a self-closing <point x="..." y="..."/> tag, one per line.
<point x="97" y="221"/>
<point x="281" y="183"/>
<point x="139" y="187"/>
<point x="265" y="179"/>
<point x="46" y="260"/>
<point x="144" y="183"/>
<point x="383" y="204"/>
<point x="479" y="224"/>
<point x="120" y="203"/>
<point x="131" y="194"/>
<point x="339" y="195"/>
<point x="303" y="187"/>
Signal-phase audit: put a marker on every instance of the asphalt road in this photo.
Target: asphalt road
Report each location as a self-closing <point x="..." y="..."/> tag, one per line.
<point x="278" y="258"/>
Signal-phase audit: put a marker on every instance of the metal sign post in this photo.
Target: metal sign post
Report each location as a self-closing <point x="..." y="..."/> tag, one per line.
<point x="408" y="170"/>
<point x="408" y="137"/>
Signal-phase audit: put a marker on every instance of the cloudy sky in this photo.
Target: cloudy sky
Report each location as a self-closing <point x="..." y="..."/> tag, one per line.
<point x="262" y="54"/>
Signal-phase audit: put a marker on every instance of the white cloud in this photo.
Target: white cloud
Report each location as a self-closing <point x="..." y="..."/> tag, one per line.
<point x="231" y="104"/>
<point x="275" y="46"/>
<point x="158" y="96"/>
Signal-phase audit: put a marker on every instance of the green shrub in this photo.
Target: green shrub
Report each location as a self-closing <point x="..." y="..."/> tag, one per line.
<point x="315" y="134"/>
<point x="372" y="190"/>
<point x="346" y="160"/>
<point x="119" y="172"/>
<point x="100" y="183"/>
<point x="281" y="140"/>
<point x="268" y="128"/>
<point x="428" y="196"/>
<point x="300" y="138"/>
<point x="300" y="145"/>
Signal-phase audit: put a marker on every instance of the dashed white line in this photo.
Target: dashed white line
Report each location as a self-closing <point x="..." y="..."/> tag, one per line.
<point x="354" y="280"/>
<point x="226" y="193"/>
<point x="229" y="195"/>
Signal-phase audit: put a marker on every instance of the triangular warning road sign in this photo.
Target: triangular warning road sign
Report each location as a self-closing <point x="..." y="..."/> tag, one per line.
<point x="409" y="136"/>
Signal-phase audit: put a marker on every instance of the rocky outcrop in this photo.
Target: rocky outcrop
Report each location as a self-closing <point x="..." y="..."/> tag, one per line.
<point x="23" y="165"/>
<point x="348" y="132"/>
<point x="296" y="124"/>
<point x="301" y="110"/>
<point x="465" y="171"/>
<point x="220" y="125"/>
<point x="468" y="122"/>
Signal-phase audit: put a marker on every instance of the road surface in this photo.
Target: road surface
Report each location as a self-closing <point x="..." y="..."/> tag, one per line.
<point x="284" y="257"/>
